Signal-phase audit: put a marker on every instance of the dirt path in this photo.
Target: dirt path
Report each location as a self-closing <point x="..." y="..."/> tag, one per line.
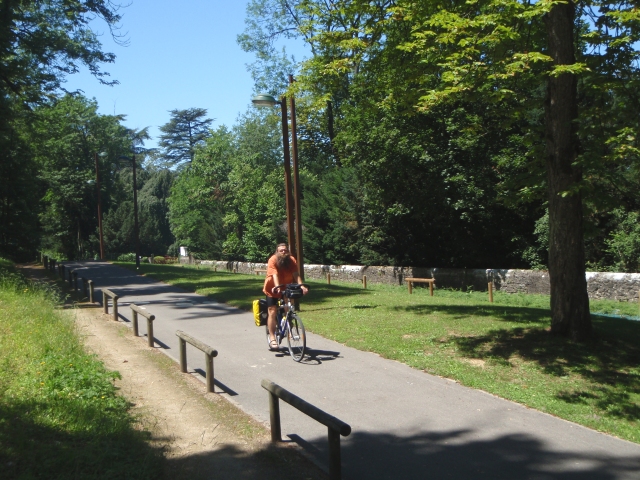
<point x="202" y="434"/>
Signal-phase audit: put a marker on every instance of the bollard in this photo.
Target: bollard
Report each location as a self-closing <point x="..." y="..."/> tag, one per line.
<point x="364" y="281"/>
<point x="90" y="282"/>
<point x="328" y="278"/>
<point x="491" y="292"/>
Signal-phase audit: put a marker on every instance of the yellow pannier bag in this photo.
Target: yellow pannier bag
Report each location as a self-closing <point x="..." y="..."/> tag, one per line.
<point x="260" y="312"/>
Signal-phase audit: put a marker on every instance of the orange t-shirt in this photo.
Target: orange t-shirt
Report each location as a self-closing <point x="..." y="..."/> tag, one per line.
<point x="285" y="275"/>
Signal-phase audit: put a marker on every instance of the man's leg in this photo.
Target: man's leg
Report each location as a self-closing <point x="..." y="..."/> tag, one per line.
<point x="271" y="321"/>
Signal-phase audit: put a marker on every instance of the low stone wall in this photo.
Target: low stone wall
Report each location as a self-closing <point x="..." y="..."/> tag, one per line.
<point x="613" y="286"/>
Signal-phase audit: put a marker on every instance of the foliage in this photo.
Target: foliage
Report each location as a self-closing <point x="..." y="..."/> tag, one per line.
<point x="40" y="44"/>
<point x="182" y="134"/>
<point x="229" y="202"/>
<point x="624" y="242"/>
<point x="56" y="393"/>
<point x="65" y="137"/>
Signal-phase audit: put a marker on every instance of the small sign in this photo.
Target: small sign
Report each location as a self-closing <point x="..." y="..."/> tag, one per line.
<point x="184" y="252"/>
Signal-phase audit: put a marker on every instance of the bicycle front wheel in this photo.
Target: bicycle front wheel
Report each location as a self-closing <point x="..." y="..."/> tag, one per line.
<point x="296" y="337"/>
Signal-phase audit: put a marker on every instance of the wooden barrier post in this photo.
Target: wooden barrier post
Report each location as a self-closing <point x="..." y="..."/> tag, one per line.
<point x="328" y="278"/>
<point x="491" y="292"/>
<point x="334" y="426"/>
<point x="364" y="281"/>
<point x="183" y="355"/>
<point x="274" y="417"/>
<point x="135" y="310"/>
<point x="150" y="336"/>
<point x="134" y="322"/>
<point x="209" y="352"/>
<point x="409" y="282"/>
<point x="105" y="303"/>
<point x="209" y="369"/>
<point x="335" y="459"/>
<point x="90" y="282"/>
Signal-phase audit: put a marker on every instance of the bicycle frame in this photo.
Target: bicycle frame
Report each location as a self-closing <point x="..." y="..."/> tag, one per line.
<point x="289" y="326"/>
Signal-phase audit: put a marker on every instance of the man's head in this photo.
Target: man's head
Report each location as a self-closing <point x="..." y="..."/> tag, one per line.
<point x="283" y="257"/>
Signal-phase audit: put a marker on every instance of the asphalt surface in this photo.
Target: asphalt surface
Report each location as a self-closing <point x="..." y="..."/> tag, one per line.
<point x="405" y="424"/>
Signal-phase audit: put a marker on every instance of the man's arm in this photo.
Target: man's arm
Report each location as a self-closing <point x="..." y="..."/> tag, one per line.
<point x="276" y="282"/>
<point x="296" y="279"/>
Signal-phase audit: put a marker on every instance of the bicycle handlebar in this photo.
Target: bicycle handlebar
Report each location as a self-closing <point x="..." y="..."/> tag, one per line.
<point x="279" y="287"/>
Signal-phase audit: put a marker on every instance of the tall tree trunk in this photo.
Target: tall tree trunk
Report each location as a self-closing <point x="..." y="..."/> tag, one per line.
<point x="569" y="299"/>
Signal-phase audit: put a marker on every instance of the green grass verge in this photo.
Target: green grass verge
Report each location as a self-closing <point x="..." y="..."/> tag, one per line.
<point x="60" y="415"/>
<point x="503" y="348"/>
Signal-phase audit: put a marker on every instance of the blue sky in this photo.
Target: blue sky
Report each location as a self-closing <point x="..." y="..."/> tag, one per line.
<point x="180" y="55"/>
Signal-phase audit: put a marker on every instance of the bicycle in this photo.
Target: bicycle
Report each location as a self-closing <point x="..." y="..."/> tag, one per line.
<point x="288" y="323"/>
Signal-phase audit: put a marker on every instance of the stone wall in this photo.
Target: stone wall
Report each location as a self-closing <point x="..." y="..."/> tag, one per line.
<point x="614" y="286"/>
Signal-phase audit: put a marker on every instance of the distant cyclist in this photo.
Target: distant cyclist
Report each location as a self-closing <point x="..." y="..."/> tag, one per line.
<point x="282" y="268"/>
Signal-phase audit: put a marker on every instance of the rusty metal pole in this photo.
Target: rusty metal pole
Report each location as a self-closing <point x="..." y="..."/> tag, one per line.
<point x="287" y="176"/>
<point x="99" y="208"/>
<point x="296" y="184"/>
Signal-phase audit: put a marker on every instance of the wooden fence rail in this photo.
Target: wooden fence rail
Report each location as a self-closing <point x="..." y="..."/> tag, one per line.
<point x="105" y="303"/>
<point x="209" y="353"/>
<point x="334" y="426"/>
<point x="135" y="310"/>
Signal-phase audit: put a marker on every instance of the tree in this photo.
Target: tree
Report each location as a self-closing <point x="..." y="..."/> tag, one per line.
<point x="503" y="53"/>
<point x="64" y="137"/>
<point x="180" y="136"/>
<point x="41" y="42"/>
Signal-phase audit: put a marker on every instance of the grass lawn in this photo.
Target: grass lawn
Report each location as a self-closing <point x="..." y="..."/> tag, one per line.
<point x="60" y="415"/>
<point x="503" y="348"/>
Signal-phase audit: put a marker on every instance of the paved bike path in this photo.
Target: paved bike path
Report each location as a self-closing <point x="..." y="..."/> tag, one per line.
<point x="405" y="423"/>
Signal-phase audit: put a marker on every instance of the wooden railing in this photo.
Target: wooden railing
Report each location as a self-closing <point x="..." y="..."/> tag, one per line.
<point x="209" y="353"/>
<point x="105" y="303"/>
<point x="135" y="310"/>
<point x="334" y="426"/>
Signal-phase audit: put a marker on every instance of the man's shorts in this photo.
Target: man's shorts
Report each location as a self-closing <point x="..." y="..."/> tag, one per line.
<point x="272" y="301"/>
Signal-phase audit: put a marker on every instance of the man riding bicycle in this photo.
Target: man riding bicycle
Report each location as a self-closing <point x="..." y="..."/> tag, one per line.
<point x="282" y="268"/>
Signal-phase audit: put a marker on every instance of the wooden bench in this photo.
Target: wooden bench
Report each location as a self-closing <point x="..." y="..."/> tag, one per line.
<point x="430" y="281"/>
<point x="260" y="270"/>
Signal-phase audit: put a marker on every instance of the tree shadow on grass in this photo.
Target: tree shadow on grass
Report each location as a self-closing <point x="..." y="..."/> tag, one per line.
<point x="509" y="313"/>
<point x="609" y="362"/>
<point x="106" y="449"/>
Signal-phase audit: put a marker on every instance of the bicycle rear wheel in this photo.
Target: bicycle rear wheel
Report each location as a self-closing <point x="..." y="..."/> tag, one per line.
<point x="296" y="337"/>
